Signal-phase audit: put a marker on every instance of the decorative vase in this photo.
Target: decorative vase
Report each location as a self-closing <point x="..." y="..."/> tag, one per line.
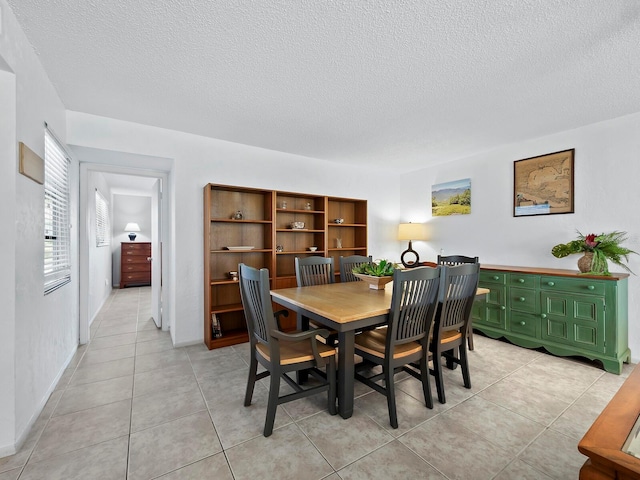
<point x="375" y="283"/>
<point x="584" y="262"/>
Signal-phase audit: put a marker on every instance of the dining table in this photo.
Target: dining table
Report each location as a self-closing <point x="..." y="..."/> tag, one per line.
<point x="345" y="307"/>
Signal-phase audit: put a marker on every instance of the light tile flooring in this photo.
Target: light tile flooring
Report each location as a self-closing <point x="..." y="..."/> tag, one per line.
<point x="131" y="406"/>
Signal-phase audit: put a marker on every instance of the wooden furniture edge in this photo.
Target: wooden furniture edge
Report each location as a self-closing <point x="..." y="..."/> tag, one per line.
<point x="604" y="440"/>
<point x="558" y="272"/>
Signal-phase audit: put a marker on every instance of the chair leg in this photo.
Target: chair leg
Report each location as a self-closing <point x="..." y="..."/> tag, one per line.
<point x="331" y="377"/>
<point x="272" y="405"/>
<point x="391" y="397"/>
<point x="470" y="336"/>
<point x="437" y="369"/>
<point x="426" y="384"/>
<point x="251" y="381"/>
<point x="464" y="363"/>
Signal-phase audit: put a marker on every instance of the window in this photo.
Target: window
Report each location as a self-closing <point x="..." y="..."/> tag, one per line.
<point x="57" y="237"/>
<point x="103" y="228"/>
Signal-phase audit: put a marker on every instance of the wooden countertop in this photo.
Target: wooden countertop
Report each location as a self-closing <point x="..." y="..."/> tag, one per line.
<point x="551" y="271"/>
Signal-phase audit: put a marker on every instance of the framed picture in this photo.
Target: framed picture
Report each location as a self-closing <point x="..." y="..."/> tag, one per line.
<point x="543" y="185"/>
<point x="451" y="198"/>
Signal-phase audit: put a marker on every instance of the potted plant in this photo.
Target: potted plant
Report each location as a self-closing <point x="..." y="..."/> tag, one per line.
<point x="597" y="249"/>
<point x="376" y="274"/>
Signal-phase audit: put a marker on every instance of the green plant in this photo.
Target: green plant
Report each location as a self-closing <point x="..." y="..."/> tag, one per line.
<point x="606" y="246"/>
<point x="383" y="268"/>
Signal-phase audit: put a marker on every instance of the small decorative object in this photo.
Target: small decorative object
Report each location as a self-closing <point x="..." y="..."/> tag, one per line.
<point x="338" y="220"/>
<point x="597" y="250"/>
<point x="237" y="215"/>
<point x="338" y="243"/>
<point x="233" y="276"/>
<point x="132" y="228"/>
<point x="313" y="249"/>
<point x="215" y="326"/>
<point x="543" y="185"/>
<point x="307" y="206"/>
<point x="297" y="225"/>
<point x="376" y="274"/>
<point x="279" y="248"/>
<point x="283" y="205"/>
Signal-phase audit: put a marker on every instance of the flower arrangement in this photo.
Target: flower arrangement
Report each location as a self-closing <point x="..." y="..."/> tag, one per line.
<point x="597" y="248"/>
<point x="383" y="268"/>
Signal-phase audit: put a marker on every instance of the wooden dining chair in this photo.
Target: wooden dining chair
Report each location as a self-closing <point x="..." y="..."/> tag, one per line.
<point x="347" y="264"/>
<point x="452" y="261"/>
<point x="458" y="285"/>
<point x="405" y="338"/>
<point x="279" y="352"/>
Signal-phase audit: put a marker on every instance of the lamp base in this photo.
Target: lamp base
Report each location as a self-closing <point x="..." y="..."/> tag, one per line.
<point x="410" y="251"/>
<point x="132" y="237"/>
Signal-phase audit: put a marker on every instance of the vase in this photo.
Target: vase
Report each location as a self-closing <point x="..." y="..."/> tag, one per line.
<point x="584" y="262"/>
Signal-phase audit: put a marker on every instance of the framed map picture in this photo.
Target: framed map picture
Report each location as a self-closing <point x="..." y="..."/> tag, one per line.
<point x="543" y="185"/>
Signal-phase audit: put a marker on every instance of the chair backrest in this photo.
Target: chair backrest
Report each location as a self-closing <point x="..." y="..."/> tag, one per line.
<point x="453" y="260"/>
<point x="413" y="305"/>
<point x="347" y="264"/>
<point x="458" y="285"/>
<point x="314" y="271"/>
<point x="256" y="301"/>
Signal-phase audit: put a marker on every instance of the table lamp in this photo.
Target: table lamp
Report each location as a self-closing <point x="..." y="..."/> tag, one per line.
<point x="411" y="231"/>
<point x="132" y="228"/>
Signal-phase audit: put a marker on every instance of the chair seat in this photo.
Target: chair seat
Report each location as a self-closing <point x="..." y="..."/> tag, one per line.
<point x="450" y="336"/>
<point x="295" y="352"/>
<point x="373" y="342"/>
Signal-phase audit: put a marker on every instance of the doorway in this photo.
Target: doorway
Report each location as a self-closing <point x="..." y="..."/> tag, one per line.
<point x="106" y="173"/>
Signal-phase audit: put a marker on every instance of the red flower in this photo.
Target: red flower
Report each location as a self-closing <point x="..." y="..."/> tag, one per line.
<point x="590" y="240"/>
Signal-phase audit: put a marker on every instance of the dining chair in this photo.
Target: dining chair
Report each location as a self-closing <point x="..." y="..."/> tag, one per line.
<point x="314" y="271"/>
<point x="347" y="264"/>
<point x="279" y="352"/>
<point x="405" y="338"/>
<point x="458" y="285"/>
<point x="453" y="260"/>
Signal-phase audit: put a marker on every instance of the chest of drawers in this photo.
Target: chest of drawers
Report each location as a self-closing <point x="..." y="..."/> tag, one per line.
<point x="135" y="268"/>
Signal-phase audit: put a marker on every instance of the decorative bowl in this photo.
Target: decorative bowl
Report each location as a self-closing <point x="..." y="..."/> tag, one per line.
<point x="375" y="283"/>
<point x="312" y="249"/>
<point x="297" y="225"/>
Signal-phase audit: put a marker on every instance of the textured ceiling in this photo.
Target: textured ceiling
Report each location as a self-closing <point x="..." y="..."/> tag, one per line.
<point x="402" y="83"/>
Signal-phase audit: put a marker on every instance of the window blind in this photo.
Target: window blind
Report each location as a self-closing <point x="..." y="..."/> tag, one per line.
<point x="103" y="227"/>
<point x="57" y="236"/>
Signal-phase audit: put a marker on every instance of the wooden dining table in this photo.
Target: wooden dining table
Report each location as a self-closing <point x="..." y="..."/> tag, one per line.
<point x="346" y="308"/>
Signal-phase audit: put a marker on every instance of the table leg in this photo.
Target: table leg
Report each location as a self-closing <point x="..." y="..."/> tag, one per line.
<point x="345" y="373"/>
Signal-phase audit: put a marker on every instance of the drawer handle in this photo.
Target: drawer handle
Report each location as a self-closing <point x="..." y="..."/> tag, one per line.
<point x="551" y="284"/>
<point x="522" y="299"/>
<point x="521" y="280"/>
<point x="544" y="315"/>
<point x="523" y="323"/>
<point x="502" y="307"/>
<point x="496" y="277"/>
<point x="591" y="287"/>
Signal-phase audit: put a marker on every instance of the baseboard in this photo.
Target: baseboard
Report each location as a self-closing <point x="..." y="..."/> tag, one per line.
<point x="27" y="430"/>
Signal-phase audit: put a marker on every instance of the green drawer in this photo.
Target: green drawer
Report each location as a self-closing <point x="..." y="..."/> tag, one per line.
<point x="572" y="285"/>
<point x="522" y="280"/>
<point x="493" y="277"/>
<point x="524" y="300"/>
<point x="524" y="324"/>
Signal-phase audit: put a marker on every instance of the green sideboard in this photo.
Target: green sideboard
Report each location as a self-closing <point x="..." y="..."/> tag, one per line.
<point x="559" y="310"/>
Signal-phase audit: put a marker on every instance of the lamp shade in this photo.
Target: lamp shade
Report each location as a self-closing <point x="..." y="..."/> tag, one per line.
<point x="412" y="231"/>
<point x="132" y="227"/>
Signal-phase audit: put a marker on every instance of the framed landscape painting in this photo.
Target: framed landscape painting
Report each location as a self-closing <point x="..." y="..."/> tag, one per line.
<point x="451" y="198"/>
<point x="543" y="185"/>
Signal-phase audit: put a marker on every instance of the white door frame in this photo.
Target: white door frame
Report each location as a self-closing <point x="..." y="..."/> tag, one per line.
<point x="85" y="168"/>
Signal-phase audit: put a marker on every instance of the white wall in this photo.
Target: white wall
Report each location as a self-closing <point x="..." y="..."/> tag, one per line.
<point x="46" y="328"/>
<point x="99" y="258"/>
<point x="200" y="160"/>
<point x="129" y="208"/>
<point x="606" y="198"/>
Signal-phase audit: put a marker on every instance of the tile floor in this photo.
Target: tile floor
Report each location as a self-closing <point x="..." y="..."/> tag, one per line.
<point x="131" y="406"/>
